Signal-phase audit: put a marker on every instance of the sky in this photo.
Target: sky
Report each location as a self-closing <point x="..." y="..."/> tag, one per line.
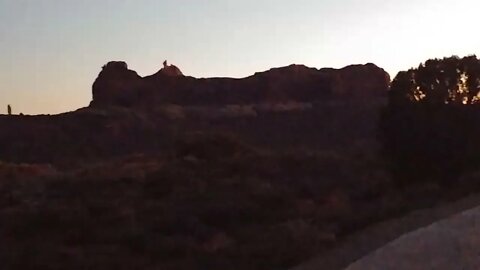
<point x="51" y="51"/>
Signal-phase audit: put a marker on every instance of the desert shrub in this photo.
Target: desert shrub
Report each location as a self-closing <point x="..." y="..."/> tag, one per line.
<point x="173" y="111"/>
<point x="215" y="202"/>
<point x="208" y="146"/>
<point x="238" y="111"/>
<point x="22" y="171"/>
<point x="285" y="107"/>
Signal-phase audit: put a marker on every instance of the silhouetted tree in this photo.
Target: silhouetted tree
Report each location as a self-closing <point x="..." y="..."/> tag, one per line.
<point x="429" y="129"/>
<point x="450" y="80"/>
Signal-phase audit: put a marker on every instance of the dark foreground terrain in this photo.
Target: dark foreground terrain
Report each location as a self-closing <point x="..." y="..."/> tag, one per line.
<point x="209" y="201"/>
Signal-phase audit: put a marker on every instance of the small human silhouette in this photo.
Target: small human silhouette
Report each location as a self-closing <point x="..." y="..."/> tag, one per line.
<point x="165" y="64"/>
<point x="9" y="109"/>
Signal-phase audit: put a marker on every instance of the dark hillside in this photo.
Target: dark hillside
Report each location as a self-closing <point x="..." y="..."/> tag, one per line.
<point x="173" y="172"/>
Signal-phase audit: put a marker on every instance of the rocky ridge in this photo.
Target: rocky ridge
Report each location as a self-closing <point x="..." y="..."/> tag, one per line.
<point x="117" y="85"/>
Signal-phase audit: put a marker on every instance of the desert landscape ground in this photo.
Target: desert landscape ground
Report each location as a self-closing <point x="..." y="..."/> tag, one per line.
<point x="266" y="172"/>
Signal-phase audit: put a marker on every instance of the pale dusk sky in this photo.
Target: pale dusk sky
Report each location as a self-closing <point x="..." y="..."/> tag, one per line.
<point x="52" y="50"/>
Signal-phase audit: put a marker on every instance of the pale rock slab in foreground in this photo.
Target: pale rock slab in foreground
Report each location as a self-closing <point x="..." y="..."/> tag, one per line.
<point x="450" y="244"/>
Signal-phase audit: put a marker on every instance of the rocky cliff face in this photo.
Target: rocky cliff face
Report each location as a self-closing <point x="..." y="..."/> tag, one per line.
<point x="116" y="85"/>
<point x="170" y="70"/>
<point x="359" y="81"/>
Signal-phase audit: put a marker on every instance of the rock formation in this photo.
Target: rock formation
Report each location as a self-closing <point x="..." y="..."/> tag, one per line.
<point x="170" y="70"/>
<point x="133" y="114"/>
<point x="359" y="80"/>
<point x="116" y="85"/>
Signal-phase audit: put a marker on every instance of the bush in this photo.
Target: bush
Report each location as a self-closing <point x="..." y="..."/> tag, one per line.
<point x="428" y="129"/>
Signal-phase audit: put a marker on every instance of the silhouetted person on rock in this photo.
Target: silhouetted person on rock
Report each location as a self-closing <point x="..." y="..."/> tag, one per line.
<point x="170" y="70"/>
<point x="9" y="109"/>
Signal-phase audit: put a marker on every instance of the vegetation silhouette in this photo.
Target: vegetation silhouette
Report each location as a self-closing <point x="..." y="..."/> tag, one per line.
<point x="428" y="128"/>
<point x="451" y="80"/>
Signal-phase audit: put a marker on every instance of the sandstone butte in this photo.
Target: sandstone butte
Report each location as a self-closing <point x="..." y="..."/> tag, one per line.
<point x="117" y="85"/>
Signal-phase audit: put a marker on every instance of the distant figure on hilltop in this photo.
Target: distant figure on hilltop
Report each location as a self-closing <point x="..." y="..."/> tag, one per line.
<point x="170" y="70"/>
<point x="9" y="109"/>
